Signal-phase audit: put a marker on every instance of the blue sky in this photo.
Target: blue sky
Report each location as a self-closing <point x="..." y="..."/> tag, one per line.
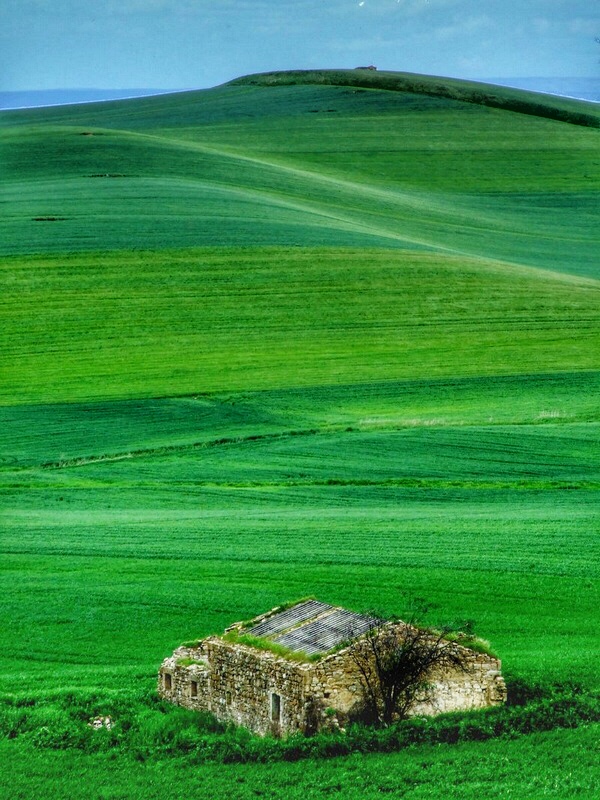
<point x="171" y="44"/>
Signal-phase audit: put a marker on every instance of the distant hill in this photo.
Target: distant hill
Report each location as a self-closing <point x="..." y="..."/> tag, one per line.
<point x="579" y="88"/>
<point x="57" y="97"/>
<point x="476" y="92"/>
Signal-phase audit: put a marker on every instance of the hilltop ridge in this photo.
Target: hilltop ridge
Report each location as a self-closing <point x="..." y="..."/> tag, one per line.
<point x="509" y="98"/>
<point x="523" y="101"/>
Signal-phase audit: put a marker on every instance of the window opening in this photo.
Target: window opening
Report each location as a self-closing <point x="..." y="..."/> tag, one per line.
<point x="275" y="707"/>
<point x="168" y="681"/>
<point x="194" y="689"/>
<point x="228" y="698"/>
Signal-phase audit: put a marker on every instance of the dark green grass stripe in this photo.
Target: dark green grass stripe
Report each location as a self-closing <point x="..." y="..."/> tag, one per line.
<point x="166" y="450"/>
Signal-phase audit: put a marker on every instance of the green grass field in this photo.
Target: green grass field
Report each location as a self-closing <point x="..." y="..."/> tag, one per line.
<point x="562" y="764"/>
<point x="298" y="335"/>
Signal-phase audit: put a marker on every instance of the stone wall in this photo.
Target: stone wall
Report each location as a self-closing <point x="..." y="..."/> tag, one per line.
<point x="337" y="685"/>
<point x="256" y="688"/>
<point x="480" y="685"/>
<point x="185" y="683"/>
<point x="253" y="688"/>
<point x="268" y="693"/>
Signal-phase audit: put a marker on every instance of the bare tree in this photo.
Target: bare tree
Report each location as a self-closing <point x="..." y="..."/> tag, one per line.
<point x="396" y="662"/>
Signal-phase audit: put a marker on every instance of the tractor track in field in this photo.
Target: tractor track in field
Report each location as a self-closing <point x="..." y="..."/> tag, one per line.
<point x="146" y="452"/>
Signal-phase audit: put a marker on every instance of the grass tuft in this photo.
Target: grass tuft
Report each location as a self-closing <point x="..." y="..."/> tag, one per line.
<point x="260" y="643"/>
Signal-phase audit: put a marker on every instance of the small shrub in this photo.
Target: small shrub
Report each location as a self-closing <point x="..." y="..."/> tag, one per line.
<point x="188" y="662"/>
<point x="61" y="736"/>
<point x="13" y="721"/>
<point x="472" y="642"/>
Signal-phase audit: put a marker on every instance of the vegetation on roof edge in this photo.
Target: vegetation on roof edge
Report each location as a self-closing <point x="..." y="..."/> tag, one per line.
<point x="520" y="101"/>
<point x="190" y="662"/>
<point x="260" y="643"/>
<point x="239" y="635"/>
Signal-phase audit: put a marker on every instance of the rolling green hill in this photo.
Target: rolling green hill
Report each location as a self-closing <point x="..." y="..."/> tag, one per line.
<point x="332" y="333"/>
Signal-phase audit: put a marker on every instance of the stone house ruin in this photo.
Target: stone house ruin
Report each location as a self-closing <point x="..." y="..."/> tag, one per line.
<point x="292" y="670"/>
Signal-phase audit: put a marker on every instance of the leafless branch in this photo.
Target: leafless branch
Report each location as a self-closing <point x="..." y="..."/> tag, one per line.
<point x="396" y="662"/>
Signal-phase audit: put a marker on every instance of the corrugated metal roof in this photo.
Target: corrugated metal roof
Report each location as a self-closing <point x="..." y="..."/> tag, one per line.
<point x="321" y="635"/>
<point x="289" y="618"/>
<point x="313" y="628"/>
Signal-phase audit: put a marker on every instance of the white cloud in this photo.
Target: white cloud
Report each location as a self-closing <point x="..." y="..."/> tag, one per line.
<point x="362" y="44"/>
<point x="462" y="27"/>
<point x="473" y="65"/>
<point x="135" y="6"/>
<point x="541" y="24"/>
<point x="585" y="25"/>
<point x="415" y="7"/>
<point x="104" y="8"/>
